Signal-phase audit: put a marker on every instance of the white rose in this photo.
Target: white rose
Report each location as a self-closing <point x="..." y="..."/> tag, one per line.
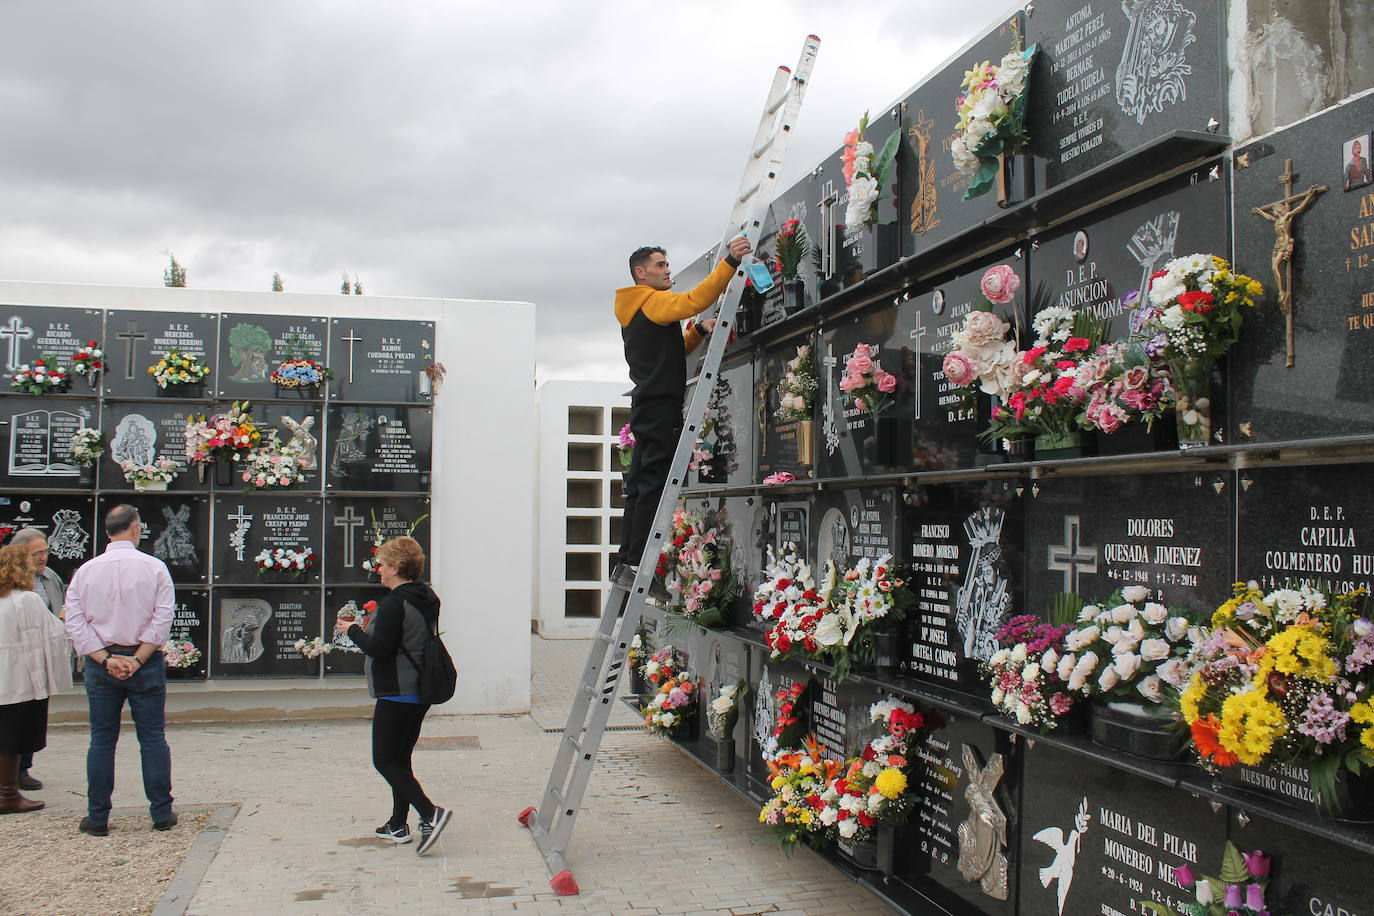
<point x="1135" y="593"/>
<point x="1088" y="663"/>
<point x="1174" y="671"/>
<point x="1088" y="613"/>
<point x="1123" y="613"/>
<point x="976" y="131"/>
<point x="1018" y="653"/>
<point x="990" y="107"/>
<point x="964" y="160"/>
<point x="1155" y="613"/>
<point x="1023" y="714"/>
<point x="1176" y="628"/>
<point x="1151" y="688"/>
<point x="1155" y="650"/>
<point x="1080" y="639"/>
<point x="1077" y="680"/>
<point x="1126" y="666"/>
<point x="1066" y="666"/>
<point x="1108" y="680"/>
<point x="1113" y="635"/>
<point x="1050" y="660"/>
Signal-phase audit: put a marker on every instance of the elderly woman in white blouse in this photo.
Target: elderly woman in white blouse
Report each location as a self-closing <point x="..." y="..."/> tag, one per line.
<point x="34" y="664"/>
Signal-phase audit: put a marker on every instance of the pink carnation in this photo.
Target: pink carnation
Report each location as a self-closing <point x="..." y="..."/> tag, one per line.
<point x="1000" y="284"/>
<point x="959" y="369"/>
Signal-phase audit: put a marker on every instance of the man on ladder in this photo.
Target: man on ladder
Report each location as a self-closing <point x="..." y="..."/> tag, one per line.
<point x="656" y="350"/>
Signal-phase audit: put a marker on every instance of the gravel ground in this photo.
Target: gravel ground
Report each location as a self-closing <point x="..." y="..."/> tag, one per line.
<point x="48" y="866"/>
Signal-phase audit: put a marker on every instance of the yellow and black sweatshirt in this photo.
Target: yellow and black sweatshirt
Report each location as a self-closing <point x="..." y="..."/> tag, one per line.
<point x="656" y="348"/>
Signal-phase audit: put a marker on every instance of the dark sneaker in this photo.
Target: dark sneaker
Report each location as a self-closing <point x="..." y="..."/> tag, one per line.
<point x="28" y="783"/>
<point x="89" y="826"/>
<point x="625" y="578"/>
<point x="398" y="835"/>
<point x="430" y="829"/>
<point x="167" y="824"/>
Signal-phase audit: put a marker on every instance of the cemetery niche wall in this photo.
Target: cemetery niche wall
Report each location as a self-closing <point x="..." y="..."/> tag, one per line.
<point x="1132" y="513"/>
<point x="260" y="561"/>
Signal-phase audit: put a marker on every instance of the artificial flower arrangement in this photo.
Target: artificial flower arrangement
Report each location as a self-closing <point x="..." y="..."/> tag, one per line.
<point x="285" y="559"/>
<point x="1027" y="676"/>
<point x="797" y="776"/>
<point x="797" y="389"/>
<point x="272" y="465"/>
<point x="865" y="384"/>
<point x="787" y="725"/>
<point x="379" y="538"/>
<point x="1238" y="890"/>
<point x="228" y="436"/>
<point x="792" y="247"/>
<point x="992" y="116"/>
<point x="625" y="448"/>
<point x="177" y="368"/>
<point x="161" y="471"/>
<point x="779" y="478"/>
<point x="1125" y="386"/>
<point x="1126" y="649"/>
<point x="981" y="353"/>
<point x="1285" y="676"/>
<point x="351" y="611"/>
<point x="45" y="376"/>
<point x="634" y="655"/>
<point x="865" y="175"/>
<point x="87" y="445"/>
<point x="672" y="705"/>
<point x="298" y="370"/>
<point x="789" y="602"/>
<point x="314" y="647"/>
<point x="723" y="711"/>
<point x="871" y="597"/>
<point x="875" y="785"/>
<point x="180" y="653"/>
<point x="1191" y="315"/>
<point x="696" y="571"/>
<point x="716" y="451"/>
<point x="89" y="362"/>
<point x="662" y="666"/>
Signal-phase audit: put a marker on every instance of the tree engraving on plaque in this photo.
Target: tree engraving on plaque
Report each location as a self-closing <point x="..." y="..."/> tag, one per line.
<point x="983" y="837"/>
<point x="244" y="620"/>
<point x="249" y="345"/>
<point x="1154" y="67"/>
<point x="1065" y="849"/>
<point x="40" y="442"/>
<point x="984" y="599"/>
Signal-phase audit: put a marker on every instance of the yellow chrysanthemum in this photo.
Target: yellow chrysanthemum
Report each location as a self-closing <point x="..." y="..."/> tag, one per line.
<point x="890" y="783"/>
<point x="1254" y="288"/>
<point x="1250" y="723"/>
<point x="1192" y="698"/>
<point x="1363" y="712"/>
<point x="778" y="782"/>
<point x="1299" y="651"/>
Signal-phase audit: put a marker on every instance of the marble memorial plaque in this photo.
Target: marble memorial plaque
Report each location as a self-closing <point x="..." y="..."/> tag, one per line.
<point x="251" y="347"/>
<point x="346" y="659"/>
<point x="1328" y="389"/>
<point x="837" y="265"/>
<point x="871" y="248"/>
<point x="176" y="530"/>
<point x="35" y="436"/>
<point x="379" y="360"/>
<point x="374" y="449"/>
<point x="854" y="442"/>
<point x="1310" y="873"/>
<point x="839" y="716"/>
<point x="768" y="677"/>
<point x="248" y="524"/>
<point x="797" y="202"/>
<point x="725" y="449"/>
<point x="67" y="520"/>
<point x="848" y="525"/>
<point x="353" y="525"/>
<point x="297" y="423"/>
<point x="965" y="547"/>
<point x="31" y="332"/>
<point x="784" y="445"/>
<point x="141" y="432"/>
<point x="1105" y="839"/>
<point x="1168" y="532"/>
<point x="137" y="340"/>
<point x="191" y="621"/>
<point x="254" y="630"/>
<point x="1112" y="76"/>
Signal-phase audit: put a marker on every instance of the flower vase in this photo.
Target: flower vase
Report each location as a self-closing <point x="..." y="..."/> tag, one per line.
<point x="863" y="855"/>
<point x="886" y="245"/>
<point x="719" y="752"/>
<point x="886" y="647"/>
<point x="806" y="442"/>
<point x="1059" y="445"/>
<point x="1145" y="730"/>
<point x="1013" y="178"/>
<point x="297" y="392"/>
<point x="144" y="486"/>
<point x="793" y="296"/>
<point x="1193" y="408"/>
<point x="224" y="473"/>
<point x="196" y="390"/>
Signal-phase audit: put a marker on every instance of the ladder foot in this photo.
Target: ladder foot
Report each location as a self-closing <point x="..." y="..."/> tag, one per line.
<point x="563" y="884"/>
<point x="524" y="817"/>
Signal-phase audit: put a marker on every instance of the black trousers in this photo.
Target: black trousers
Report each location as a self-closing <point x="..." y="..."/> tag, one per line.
<point x="395" y="729"/>
<point x="656" y="424"/>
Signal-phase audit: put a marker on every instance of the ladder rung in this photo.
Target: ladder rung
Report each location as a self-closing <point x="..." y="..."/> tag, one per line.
<point x="753" y="189"/>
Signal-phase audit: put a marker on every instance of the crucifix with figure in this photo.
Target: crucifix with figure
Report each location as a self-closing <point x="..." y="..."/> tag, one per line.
<point x="1282" y="213"/>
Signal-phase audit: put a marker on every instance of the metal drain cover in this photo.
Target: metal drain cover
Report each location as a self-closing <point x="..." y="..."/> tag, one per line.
<point x="449" y="743"/>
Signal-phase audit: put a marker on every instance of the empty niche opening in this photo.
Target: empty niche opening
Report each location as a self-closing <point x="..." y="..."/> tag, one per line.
<point x="585" y="421"/>
<point x="585" y="456"/>
<point x="582" y="567"/>
<point x="584" y="494"/>
<point x="582" y="602"/>
<point x="584" y="530"/>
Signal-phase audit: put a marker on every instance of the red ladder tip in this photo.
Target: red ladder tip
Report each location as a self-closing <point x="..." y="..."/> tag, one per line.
<point x="524" y="817"/>
<point x="784" y="69"/>
<point x="814" y="37"/>
<point x="563" y="884"/>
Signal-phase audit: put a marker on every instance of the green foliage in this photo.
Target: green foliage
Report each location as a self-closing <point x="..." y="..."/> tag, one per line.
<point x="247" y="339"/>
<point x="175" y="274"/>
<point x="277" y="284"/>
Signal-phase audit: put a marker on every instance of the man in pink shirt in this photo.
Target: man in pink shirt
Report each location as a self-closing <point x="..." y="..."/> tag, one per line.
<point x="119" y="611"/>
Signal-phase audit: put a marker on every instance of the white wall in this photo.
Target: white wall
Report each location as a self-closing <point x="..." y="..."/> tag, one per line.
<point x="483" y="459"/>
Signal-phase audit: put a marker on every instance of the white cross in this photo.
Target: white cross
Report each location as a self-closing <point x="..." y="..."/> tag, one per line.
<point x="1071" y="557"/>
<point x="352" y="339"/>
<point x="239" y="537"/>
<point x="920" y="369"/>
<point x="348" y="521"/>
<point x="14" y="332"/>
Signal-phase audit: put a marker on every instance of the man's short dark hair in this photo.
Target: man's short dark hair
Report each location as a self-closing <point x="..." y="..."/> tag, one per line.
<point x="641" y="257"/>
<point x="120" y="519"/>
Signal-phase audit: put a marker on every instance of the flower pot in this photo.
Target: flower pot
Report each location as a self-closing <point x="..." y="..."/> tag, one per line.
<point x="196" y="390"/>
<point x="862" y="855"/>
<point x="1193" y="409"/>
<point x="719" y="752"/>
<point x="1290" y="784"/>
<point x="806" y="442"/>
<point x="297" y="392"/>
<point x="1013" y="179"/>
<point x="150" y="485"/>
<point x="1058" y="446"/>
<point x="886" y="245"/>
<point x="886" y="652"/>
<point x="224" y="473"/>
<point x="793" y="296"/>
<point x="1145" y="731"/>
<point x="886" y="836"/>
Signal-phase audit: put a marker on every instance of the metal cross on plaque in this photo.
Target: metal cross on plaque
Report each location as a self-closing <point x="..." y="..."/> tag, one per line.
<point x="14" y="332"/>
<point x="1071" y="557"/>
<point x="1282" y="213"/>
<point x="348" y="522"/>
<point x="352" y="338"/>
<point x="129" y="335"/>
<point x="916" y="334"/>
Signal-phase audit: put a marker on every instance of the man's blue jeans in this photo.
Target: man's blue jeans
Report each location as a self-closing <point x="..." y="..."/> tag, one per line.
<point x="146" y="692"/>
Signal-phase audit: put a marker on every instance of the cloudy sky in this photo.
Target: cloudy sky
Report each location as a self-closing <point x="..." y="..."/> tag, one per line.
<point x="447" y="148"/>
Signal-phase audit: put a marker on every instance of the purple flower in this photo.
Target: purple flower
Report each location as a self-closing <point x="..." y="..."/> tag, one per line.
<point x="1257" y="863"/>
<point x="1322" y="721"/>
<point x="1254" y="897"/>
<point x="1155" y="345"/>
<point x="1361" y="657"/>
<point x="1233" y="896"/>
<point x="1184" y="876"/>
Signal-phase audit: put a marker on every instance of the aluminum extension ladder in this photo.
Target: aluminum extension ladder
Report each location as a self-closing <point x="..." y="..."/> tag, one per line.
<point x="551" y="824"/>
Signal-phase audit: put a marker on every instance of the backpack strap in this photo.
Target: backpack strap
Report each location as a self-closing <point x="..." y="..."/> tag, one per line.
<point x="410" y="607"/>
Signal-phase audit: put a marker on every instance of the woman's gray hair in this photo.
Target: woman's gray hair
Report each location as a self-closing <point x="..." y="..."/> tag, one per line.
<point x="26" y="535"/>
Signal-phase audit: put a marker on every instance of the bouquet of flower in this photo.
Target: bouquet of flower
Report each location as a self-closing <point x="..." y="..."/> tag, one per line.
<point x="162" y="470"/>
<point x="1124" y="385"/>
<point x="313" y="647"/>
<point x="1237" y="891"/>
<point x="45" y="376"/>
<point x="789" y="601"/>
<point x="1285" y="676"/>
<point x="283" y="559"/>
<point x="625" y="450"/>
<point x="992" y="116"/>
<point x="871" y="596"/>
<point x="887" y="760"/>
<point x="87" y="446"/>
<point x="723" y="711"/>
<point x="982" y="353"/>
<point x="272" y="465"/>
<point x="634" y="655"/>
<point x="177" y="368"/>
<point x="787" y="727"/>
<point x="672" y="705"/>
<point x="180" y="653"/>
<point x="700" y="582"/>
<point x="89" y="362"/>
<point x="779" y="478"/>
<point x="798" y="776"/>
<point x="1132" y="649"/>
<point x="797" y="390"/>
<point x="866" y="175"/>
<point x="228" y="436"/>
<point x="300" y="373"/>
<point x="864" y="383"/>
<point x="662" y="666"/>
<point x="1028" y="683"/>
<point x="792" y="246"/>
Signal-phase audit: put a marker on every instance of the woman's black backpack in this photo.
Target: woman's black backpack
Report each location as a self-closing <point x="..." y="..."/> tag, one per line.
<point x="438" y="676"/>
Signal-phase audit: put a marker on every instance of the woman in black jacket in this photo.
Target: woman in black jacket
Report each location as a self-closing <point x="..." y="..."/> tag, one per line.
<point x="394" y="638"/>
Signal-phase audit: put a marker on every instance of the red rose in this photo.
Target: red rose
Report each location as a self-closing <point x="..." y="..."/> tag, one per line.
<point x="370" y="606"/>
<point x="783" y="584"/>
<point x="869" y="753"/>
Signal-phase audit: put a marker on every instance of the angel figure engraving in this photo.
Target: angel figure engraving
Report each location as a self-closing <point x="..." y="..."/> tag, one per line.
<point x="983" y="837"/>
<point x="350" y="448"/>
<point x="1065" y="852"/>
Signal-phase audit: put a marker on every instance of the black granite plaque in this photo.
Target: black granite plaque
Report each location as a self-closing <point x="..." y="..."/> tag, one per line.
<point x="345" y="659"/>
<point x="932" y="208"/>
<point x="1110" y="77"/>
<point x="67" y="520"/>
<point x="784" y="445"/>
<point x="797" y="202"/>
<point x="725" y="450"/>
<point x="874" y="247"/>
<point x="380" y="360"/>
<point x="144" y="431"/>
<point x="191" y="621"/>
<point x="30" y="332"/>
<point x="1168" y="532"/>
<point x="836" y="264"/>
<point x="1104" y="839"/>
<point x="965" y="548"/>
<point x="353" y="525"/>
<point x="1305" y="524"/>
<point x="967" y="782"/>
<point x="839" y="716"/>
<point x="852" y="442"/>
<point x="1310" y="873"/>
<point x="848" y="525"/>
<point x="137" y="340"/>
<point x="247" y="525"/>
<point x="176" y="530"/>
<point x="298" y="423"/>
<point x="378" y="448"/>
<point x="767" y="677"/>
<point x="254" y="630"/>
<point x="35" y="438"/>
<point x="251" y="347"/>
<point x="1329" y="387"/>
